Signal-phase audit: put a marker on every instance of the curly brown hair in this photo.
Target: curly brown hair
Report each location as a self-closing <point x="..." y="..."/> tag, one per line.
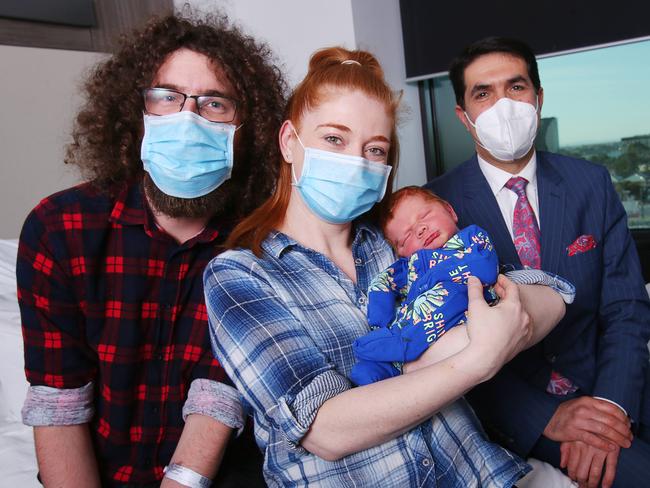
<point x="108" y="129"/>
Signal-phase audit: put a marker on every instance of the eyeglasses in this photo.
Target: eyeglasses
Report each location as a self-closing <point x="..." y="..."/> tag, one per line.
<point x="163" y="101"/>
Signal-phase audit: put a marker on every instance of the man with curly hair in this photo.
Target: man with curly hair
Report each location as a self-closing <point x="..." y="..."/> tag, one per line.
<point x="177" y="141"/>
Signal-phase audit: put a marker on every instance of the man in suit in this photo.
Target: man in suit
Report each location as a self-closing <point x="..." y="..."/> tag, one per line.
<point x="579" y="399"/>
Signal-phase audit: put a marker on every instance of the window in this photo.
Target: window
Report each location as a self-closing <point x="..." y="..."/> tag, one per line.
<point x="595" y="107"/>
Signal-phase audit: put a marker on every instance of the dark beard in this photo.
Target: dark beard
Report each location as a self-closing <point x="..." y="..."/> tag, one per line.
<point x="206" y="206"/>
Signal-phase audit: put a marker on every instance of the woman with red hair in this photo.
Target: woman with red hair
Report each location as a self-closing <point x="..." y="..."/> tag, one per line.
<point x="286" y="303"/>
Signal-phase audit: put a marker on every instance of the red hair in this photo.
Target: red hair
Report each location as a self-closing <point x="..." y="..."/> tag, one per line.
<point x="408" y="191"/>
<point x="326" y="70"/>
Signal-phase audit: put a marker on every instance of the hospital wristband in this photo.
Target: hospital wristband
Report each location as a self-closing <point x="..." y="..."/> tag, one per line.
<point x="186" y="476"/>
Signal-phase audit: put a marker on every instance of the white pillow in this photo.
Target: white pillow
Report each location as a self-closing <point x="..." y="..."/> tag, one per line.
<point x="8" y="254"/>
<point x="17" y="457"/>
<point x="13" y="385"/>
<point x="544" y="475"/>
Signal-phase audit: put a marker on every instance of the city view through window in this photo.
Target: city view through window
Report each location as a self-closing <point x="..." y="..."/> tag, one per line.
<point x="596" y="107"/>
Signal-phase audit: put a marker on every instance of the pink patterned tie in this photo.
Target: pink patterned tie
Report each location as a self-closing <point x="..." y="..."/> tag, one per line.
<point x="527" y="243"/>
<point x="524" y="225"/>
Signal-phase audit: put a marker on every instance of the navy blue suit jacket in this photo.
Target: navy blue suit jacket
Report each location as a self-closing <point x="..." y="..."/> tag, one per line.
<point x="601" y="344"/>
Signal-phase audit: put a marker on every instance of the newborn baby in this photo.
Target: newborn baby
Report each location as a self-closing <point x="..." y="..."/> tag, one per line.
<point x="423" y="294"/>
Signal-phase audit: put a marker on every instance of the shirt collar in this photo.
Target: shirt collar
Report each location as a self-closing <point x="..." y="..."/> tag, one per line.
<point x="131" y="208"/>
<point x="277" y="242"/>
<point x="497" y="178"/>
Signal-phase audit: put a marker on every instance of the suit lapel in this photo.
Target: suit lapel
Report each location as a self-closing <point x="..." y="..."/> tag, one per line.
<point x="481" y="208"/>
<point x="552" y="201"/>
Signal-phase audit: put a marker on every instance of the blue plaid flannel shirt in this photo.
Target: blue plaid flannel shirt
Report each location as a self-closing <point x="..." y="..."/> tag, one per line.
<point x="283" y="327"/>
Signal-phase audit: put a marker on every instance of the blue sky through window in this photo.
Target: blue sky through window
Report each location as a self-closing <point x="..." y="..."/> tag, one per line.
<point x="600" y="95"/>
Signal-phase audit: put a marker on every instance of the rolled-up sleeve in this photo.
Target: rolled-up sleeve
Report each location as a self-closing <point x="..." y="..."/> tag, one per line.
<point x="264" y="348"/>
<point x="539" y="277"/>
<point x="47" y="406"/>
<point x="298" y="417"/>
<point x="215" y="400"/>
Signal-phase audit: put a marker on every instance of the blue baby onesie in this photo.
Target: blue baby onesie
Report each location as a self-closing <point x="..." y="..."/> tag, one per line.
<point x="417" y="299"/>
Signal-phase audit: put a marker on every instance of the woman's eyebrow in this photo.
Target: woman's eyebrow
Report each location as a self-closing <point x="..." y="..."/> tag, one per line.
<point x="345" y="128"/>
<point x="340" y="127"/>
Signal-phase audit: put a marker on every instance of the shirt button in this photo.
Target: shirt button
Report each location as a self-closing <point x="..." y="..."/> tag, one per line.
<point x="552" y="358"/>
<point x="426" y="462"/>
<point x="357" y="261"/>
<point x="362" y="300"/>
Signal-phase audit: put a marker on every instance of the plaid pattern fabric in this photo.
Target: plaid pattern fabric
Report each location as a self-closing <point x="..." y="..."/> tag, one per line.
<point x="106" y="297"/>
<point x="283" y="326"/>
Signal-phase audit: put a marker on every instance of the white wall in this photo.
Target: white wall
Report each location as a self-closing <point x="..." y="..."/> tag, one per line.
<point x="294" y="29"/>
<point x="378" y="29"/>
<point x="40" y="88"/>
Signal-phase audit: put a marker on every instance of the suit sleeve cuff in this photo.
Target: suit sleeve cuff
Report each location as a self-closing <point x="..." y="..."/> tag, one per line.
<point x="47" y="406"/>
<point x="216" y="400"/>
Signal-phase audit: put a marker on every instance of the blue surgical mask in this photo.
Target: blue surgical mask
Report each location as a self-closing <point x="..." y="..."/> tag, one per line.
<point x="339" y="187"/>
<point x="186" y="155"/>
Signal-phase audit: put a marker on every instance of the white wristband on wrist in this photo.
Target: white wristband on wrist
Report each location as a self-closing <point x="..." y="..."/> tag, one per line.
<point x="186" y="476"/>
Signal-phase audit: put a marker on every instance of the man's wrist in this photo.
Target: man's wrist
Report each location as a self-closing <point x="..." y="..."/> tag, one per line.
<point x="613" y="403"/>
<point x="186" y="476"/>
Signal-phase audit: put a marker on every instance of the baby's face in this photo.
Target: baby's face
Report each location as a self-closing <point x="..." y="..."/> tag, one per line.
<point x="418" y="223"/>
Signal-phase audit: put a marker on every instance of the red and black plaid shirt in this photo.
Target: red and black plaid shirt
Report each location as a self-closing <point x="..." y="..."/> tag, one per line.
<point x="106" y="297"/>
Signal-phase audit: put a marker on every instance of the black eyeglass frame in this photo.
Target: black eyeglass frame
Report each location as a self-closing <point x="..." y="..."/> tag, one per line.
<point x="144" y="91"/>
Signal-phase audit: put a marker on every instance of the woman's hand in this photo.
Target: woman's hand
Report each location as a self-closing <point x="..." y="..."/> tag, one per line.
<point x="498" y="333"/>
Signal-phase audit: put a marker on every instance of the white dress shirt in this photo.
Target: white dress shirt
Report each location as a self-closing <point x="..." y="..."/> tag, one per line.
<point x="506" y="199"/>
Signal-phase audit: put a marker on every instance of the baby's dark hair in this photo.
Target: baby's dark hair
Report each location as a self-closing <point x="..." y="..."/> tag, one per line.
<point x="407" y="191"/>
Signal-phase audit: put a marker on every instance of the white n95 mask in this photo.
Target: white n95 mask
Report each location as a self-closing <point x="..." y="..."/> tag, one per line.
<point x="507" y="129"/>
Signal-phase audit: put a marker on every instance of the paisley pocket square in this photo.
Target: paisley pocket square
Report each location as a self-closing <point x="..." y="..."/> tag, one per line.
<point x="583" y="243"/>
